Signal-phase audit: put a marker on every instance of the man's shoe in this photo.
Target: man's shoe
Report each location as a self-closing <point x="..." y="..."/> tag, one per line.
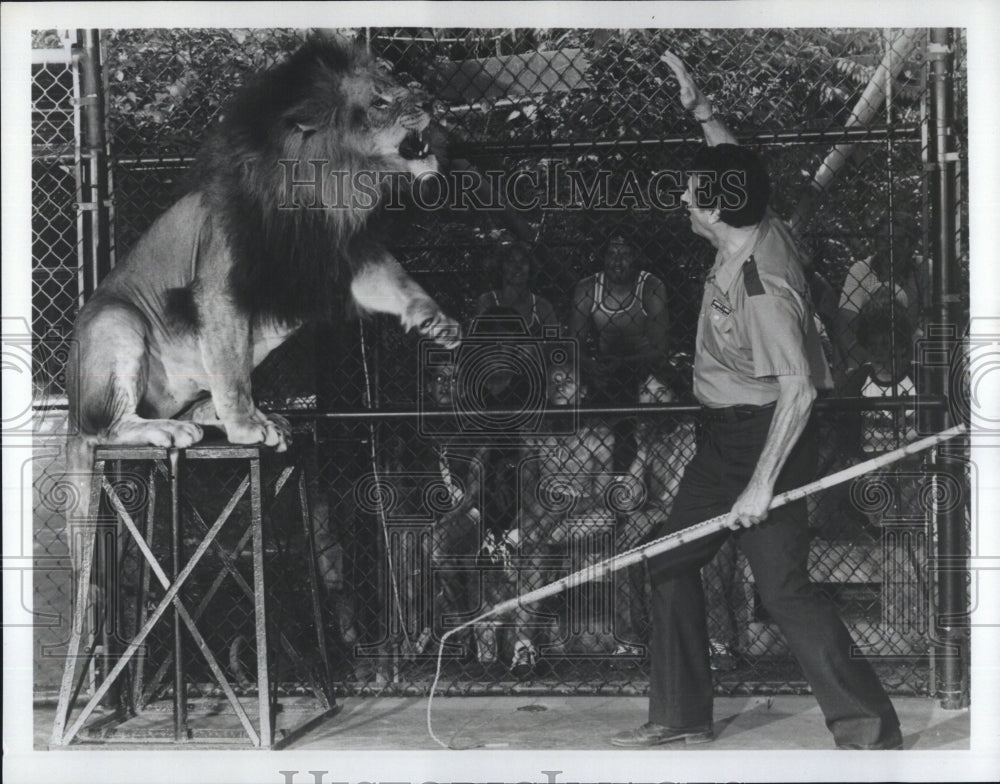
<point x="894" y="740"/>
<point x="650" y="734"/>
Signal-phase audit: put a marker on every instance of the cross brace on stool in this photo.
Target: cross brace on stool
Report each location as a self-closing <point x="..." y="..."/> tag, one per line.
<point x="166" y="462"/>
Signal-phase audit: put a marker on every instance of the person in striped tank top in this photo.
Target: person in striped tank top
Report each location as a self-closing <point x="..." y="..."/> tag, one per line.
<point x="619" y="315"/>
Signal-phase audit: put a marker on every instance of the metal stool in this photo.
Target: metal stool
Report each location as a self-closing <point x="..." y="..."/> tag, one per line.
<point x="166" y="463"/>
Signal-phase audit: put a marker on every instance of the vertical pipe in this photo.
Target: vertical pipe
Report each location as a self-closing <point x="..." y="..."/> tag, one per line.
<point x="177" y="543"/>
<point x="951" y="601"/>
<point x="94" y="167"/>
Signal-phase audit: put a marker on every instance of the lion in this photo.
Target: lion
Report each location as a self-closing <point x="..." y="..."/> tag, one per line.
<point x="273" y="236"/>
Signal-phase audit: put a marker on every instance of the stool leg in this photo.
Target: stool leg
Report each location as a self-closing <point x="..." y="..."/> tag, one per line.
<point x="81" y="605"/>
<point x="260" y="610"/>
<point x="140" y="664"/>
<point x="180" y="690"/>
<point x="327" y="696"/>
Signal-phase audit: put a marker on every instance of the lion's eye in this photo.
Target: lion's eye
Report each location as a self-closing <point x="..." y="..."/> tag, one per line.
<point x="380" y="102"/>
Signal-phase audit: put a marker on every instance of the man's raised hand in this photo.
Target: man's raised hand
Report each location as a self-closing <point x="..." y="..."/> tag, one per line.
<point x="692" y="98"/>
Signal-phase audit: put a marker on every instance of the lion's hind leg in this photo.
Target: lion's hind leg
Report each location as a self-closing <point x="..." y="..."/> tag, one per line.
<point x="108" y="376"/>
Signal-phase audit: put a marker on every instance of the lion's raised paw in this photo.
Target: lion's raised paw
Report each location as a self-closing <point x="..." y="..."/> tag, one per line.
<point x="442" y="330"/>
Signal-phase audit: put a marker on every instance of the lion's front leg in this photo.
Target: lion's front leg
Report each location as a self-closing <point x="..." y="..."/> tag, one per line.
<point x="225" y="341"/>
<point x="382" y="285"/>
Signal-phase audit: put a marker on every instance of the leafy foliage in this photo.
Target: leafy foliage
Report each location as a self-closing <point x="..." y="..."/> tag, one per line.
<point x="621" y="115"/>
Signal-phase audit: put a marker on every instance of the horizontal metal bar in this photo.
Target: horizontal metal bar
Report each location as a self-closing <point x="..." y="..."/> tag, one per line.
<point x="153" y="164"/>
<point x="823" y="404"/>
<point x="872" y="134"/>
<point x="63" y="153"/>
<point x="901" y="133"/>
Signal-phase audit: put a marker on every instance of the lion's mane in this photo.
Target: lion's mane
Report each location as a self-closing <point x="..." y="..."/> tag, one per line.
<point x="289" y="263"/>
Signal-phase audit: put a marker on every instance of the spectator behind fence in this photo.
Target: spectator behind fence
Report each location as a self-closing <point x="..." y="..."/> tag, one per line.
<point x="887" y="341"/>
<point x="500" y="370"/>
<point x="455" y="536"/>
<point x="619" y="317"/>
<point x="516" y="267"/>
<point x="663" y="448"/>
<point x="566" y="484"/>
<point x="874" y="276"/>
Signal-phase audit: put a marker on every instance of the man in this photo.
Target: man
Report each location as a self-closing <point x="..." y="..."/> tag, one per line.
<point x="623" y="312"/>
<point x="758" y="362"/>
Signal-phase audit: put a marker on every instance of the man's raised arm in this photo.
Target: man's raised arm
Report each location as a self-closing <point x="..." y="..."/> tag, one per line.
<point x="695" y="101"/>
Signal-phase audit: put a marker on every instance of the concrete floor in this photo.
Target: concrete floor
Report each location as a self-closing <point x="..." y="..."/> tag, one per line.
<point x="781" y="723"/>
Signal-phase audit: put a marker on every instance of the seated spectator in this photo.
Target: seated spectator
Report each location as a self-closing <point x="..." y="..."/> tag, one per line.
<point x="515" y="261"/>
<point x="887" y="342"/>
<point x="565" y="485"/>
<point x="495" y="477"/>
<point x="619" y="316"/>
<point x="441" y="459"/>
<point x="902" y="270"/>
<point x="665" y="446"/>
<point x="484" y="519"/>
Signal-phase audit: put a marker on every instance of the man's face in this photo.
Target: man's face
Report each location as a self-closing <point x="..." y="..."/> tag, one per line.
<point x="564" y="389"/>
<point x="619" y="262"/>
<point x="654" y="391"/>
<point x="701" y="219"/>
<point x="516" y="269"/>
<point x="442" y="386"/>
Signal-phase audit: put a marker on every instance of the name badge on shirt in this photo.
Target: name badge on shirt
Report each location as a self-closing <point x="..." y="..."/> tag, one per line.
<point x="722" y="307"/>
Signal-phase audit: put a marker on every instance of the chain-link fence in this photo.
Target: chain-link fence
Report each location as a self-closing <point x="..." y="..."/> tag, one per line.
<point x="427" y="502"/>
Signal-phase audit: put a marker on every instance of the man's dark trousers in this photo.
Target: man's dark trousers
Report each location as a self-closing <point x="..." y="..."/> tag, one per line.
<point x="855" y="705"/>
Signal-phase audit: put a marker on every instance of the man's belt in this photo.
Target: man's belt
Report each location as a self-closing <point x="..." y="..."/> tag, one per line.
<point x="733" y="413"/>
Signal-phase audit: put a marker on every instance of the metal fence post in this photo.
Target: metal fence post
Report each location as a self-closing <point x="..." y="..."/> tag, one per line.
<point x="950" y="573"/>
<point x="95" y="240"/>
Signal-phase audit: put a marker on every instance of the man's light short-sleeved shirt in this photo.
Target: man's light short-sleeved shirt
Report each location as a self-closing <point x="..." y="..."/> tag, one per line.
<point x="756" y="323"/>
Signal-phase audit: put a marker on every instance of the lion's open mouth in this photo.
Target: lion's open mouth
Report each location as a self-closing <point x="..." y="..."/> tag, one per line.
<point x="414" y="147"/>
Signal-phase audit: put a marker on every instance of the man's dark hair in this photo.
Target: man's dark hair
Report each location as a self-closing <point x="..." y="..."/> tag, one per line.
<point x="736" y="183"/>
<point x="616" y="237"/>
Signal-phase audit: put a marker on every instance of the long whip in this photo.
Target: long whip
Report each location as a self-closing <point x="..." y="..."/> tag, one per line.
<point x="675" y="540"/>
